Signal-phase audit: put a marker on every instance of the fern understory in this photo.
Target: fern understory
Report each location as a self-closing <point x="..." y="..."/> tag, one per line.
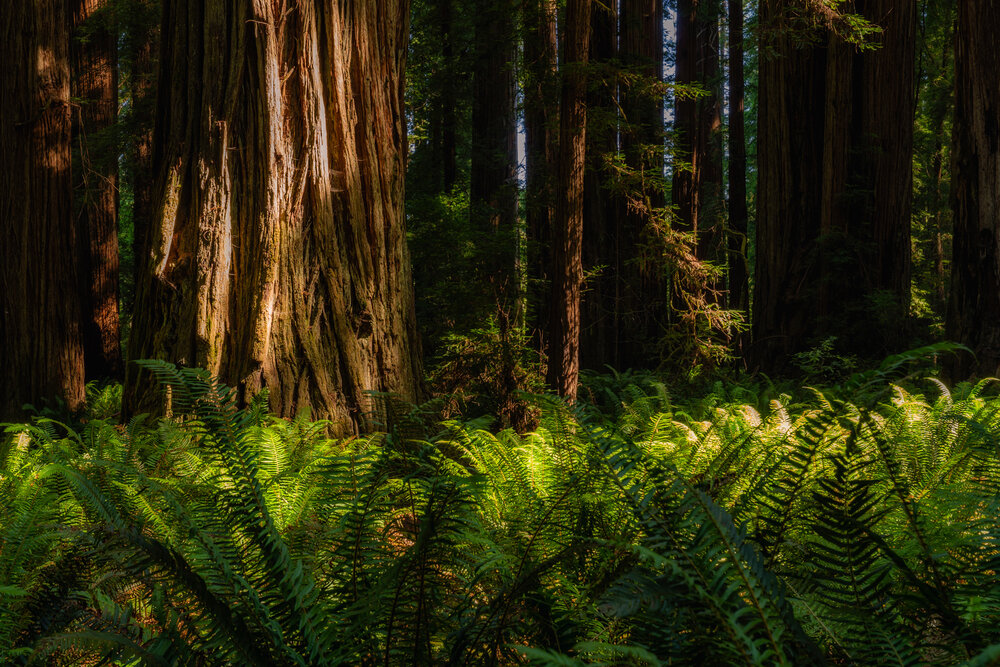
<point x="857" y="525"/>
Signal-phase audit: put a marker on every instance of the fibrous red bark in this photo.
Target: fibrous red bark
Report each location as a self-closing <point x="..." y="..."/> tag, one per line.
<point x="94" y="78"/>
<point x="277" y="257"/>
<point x="40" y="326"/>
<point x="567" y="234"/>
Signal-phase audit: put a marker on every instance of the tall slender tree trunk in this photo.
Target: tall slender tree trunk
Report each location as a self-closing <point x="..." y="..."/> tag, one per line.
<point x="493" y="191"/>
<point x="697" y="185"/>
<point x="739" y="296"/>
<point x="567" y="236"/>
<point x="142" y="50"/>
<point x="599" y="314"/>
<point x="40" y="321"/>
<point x="643" y="298"/>
<point x="277" y="254"/>
<point x="94" y="79"/>
<point x="974" y="307"/>
<point x="449" y="100"/>
<point x="541" y="121"/>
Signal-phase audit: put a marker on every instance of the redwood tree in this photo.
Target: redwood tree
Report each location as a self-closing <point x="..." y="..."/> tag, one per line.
<point x="602" y="259"/>
<point x="643" y="309"/>
<point x="94" y="79"/>
<point x="974" y="307"/>
<point x="697" y="178"/>
<point x="541" y="119"/>
<point x="277" y="255"/>
<point x="493" y="191"/>
<point x="737" y="240"/>
<point x="40" y="323"/>
<point x="567" y="232"/>
<point x="834" y="186"/>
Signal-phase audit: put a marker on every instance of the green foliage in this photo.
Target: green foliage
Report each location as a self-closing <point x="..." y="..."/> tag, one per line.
<point x="741" y="526"/>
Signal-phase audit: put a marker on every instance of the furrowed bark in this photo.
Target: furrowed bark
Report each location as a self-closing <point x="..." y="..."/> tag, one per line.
<point x="277" y="255"/>
<point x="974" y="306"/>
<point x="40" y="322"/>
<point x="541" y="119"/>
<point x="567" y="274"/>
<point x="94" y="78"/>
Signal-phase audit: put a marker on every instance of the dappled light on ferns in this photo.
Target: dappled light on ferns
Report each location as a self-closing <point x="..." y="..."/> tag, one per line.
<point x="849" y="526"/>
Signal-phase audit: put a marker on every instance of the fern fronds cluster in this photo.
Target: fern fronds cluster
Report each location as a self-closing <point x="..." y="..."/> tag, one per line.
<point x="828" y="528"/>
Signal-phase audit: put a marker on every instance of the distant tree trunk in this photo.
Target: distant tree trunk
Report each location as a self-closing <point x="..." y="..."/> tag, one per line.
<point x="449" y="103"/>
<point x="94" y="83"/>
<point x="739" y="296"/>
<point x="40" y="321"/>
<point x="143" y="51"/>
<point x="974" y="307"/>
<point x="885" y="136"/>
<point x="278" y="255"/>
<point x="493" y="192"/>
<point x="599" y="305"/>
<point x="834" y="186"/>
<point x="697" y="187"/>
<point x="567" y="236"/>
<point x="868" y="188"/>
<point x="790" y="144"/>
<point x="541" y="118"/>
<point x="643" y="299"/>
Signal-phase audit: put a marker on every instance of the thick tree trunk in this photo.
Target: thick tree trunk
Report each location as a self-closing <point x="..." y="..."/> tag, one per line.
<point x="567" y="236"/>
<point x="834" y="194"/>
<point x="278" y="256"/>
<point x="541" y="118"/>
<point x="94" y="77"/>
<point x="697" y="182"/>
<point x="790" y="144"/>
<point x="739" y="295"/>
<point x="885" y="136"/>
<point x="643" y="296"/>
<point x="493" y="191"/>
<point x="974" y="307"/>
<point x="40" y="322"/>
<point x="867" y="199"/>
<point x="599" y="307"/>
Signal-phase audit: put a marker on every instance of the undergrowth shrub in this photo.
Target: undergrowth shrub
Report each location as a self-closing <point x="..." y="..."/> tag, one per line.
<point x="855" y="525"/>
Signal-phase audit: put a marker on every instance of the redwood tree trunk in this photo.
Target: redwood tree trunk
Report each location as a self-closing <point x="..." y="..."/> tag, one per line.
<point x="493" y="192"/>
<point x="94" y="77"/>
<point x="448" y="100"/>
<point x="974" y="307"/>
<point x="790" y="144"/>
<point x="541" y="117"/>
<point x="277" y="255"/>
<point x="40" y="324"/>
<point x="697" y="185"/>
<point x="834" y="194"/>
<point x="643" y="311"/>
<point x="567" y="246"/>
<point x="142" y="50"/>
<point x="599" y="305"/>
<point x="739" y="296"/>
